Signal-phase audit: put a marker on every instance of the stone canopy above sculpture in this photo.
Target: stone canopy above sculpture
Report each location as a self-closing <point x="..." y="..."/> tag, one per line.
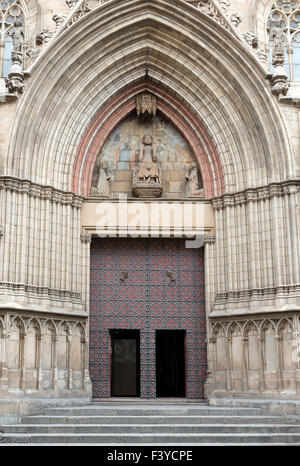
<point x="146" y="158"/>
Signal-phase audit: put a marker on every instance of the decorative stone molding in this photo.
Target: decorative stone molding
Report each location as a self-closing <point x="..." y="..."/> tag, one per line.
<point x="42" y="291"/>
<point x="82" y="10"/>
<point x="256" y="294"/>
<point x="146" y="106"/>
<point x="44" y="37"/>
<point x="71" y="4"/>
<point x="59" y="19"/>
<point x="209" y="239"/>
<point x="33" y="54"/>
<point x="251" y="39"/>
<point x="256" y="194"/>
<point x="86" y="238"/>
<point x="40" y="192"/>
<point x="236" y="19"/>
<point x="216" y="12"/>
<point x="259" y="324"/>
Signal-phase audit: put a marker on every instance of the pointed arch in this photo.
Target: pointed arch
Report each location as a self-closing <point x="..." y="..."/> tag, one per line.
<point x="187" y="54"/>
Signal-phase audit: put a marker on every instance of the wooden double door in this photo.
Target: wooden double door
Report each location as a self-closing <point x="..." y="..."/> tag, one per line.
<point x="147" y="319"/>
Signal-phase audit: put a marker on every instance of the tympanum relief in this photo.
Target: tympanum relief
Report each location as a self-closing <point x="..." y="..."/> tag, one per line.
<point x="146" y="157"/>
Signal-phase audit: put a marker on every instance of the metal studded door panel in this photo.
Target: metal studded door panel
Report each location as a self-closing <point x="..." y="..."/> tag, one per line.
<point x="147" y="285"/>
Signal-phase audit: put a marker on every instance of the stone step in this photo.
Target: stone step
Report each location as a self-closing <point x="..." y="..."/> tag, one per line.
<point x="151" y="411"/>
<point x="215" y="419"/>
<point x="146" y="438"/>
<point x="184" y="429"/>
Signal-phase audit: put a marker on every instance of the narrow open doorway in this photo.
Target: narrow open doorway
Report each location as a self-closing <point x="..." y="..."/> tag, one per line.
<point x="170" y="363"/>
<point x="125" y="363"/>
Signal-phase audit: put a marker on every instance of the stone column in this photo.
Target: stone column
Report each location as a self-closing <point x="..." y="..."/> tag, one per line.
<point x="69" y="362"/>
<point x="209" y="258"/>
<point x="280" y="386"/>
<point x="54" y="363"/>
<point x="245" y="341"/>
<point x="22" y="361"/>
<point x="261" y="342"/>
<point x="4" y="369"/>
<point x="39" y="376"/>
<point x="229" y="363"/>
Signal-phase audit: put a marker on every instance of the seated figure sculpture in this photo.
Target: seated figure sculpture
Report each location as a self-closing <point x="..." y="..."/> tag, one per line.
<point x="146" y="176"/>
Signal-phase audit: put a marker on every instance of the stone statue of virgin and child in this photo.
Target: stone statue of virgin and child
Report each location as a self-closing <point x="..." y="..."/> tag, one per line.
<point x="146" y="175"/>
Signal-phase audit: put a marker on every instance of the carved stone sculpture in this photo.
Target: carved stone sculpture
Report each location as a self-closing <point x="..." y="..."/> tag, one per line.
<point x="17" y="35"/>
<point x="59" y="19"/>
<point x="278" y="40"/>
<point x="33" y="54"/>
<point x="146" y="106"/>
<point x="15" y="81"/>
<point x="71" y="3"/>
<point x="102" y="187"/>
<point x="44" y="37"/>
<point x="251" y="39"/>
<point x="277" y="37"/>
<point x="262" y="56"/>
<point x="236" y="19"/>
<point x="192" y="187"/>
<point x="146" y="176"/>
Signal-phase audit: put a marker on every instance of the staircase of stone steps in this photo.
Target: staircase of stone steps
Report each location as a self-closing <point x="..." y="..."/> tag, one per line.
<point x="127" y="424"/>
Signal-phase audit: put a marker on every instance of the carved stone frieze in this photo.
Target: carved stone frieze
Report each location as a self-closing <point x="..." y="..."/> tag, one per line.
<point x="214" y="11"/>
<point x="255" y="293"/>
<point x="86" y="238"/>
<point x="256" y="194"/>
<point x="41" y="291"/>
<point x="209" y="239"/>
<point x="40" y="192"/>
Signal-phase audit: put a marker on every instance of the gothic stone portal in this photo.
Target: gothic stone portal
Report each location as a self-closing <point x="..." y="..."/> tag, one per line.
<point x="147" y="285"/>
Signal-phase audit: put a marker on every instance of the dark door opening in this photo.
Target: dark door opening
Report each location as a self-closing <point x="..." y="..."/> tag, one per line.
<point x="125" y="363"/>
<point x="170" y="363"/>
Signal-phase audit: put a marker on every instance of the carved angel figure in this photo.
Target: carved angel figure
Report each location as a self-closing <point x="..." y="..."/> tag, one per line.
<point x="192" y="187"/>
<point x="17" y="35"/>
<point x="277" y="37"/>
<point x="102" y="187"/>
